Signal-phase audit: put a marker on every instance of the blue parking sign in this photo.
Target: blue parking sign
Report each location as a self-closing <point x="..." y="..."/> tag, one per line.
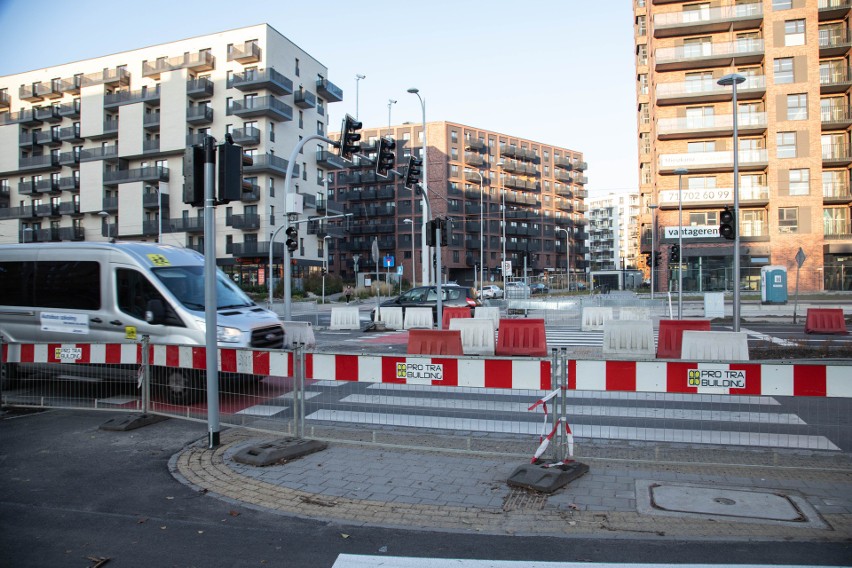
<point x="389" y="261"/>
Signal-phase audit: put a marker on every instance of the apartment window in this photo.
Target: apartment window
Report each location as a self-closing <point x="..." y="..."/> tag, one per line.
<point x="786" y="142"/>
<point x="271" y="131"/>
<point x="305" y="171"/>
<point x="797" y="106"/>
<point x="703" y="218"/>
<point x="320" y="128"/>
<point x="783" y="70"/>
<point x="800" y="181"/>
<point x="794" y="32"/>
<point x="640" y="3"/>
<point x="301" y="119"/>
<point x="644" y="114"/>
<point x="788" y="219"/>
<point x="644" y="143"/>
<point x="454" y="136"/>
<point x="641" y="25"/>
<point x="454" y="153"/>
<point x="642" y="54"/>
<point x="697" y="47"/>
<point x="643" y="83"/>
<point x="271" y="187"/>
<point x="835" y="220"/>
<point x="701" y="183"/>
<point x="782" y="4"/>
<point x="702" y="146"/>
<point x="297" y="70"/>
<point x="645" y="173"/>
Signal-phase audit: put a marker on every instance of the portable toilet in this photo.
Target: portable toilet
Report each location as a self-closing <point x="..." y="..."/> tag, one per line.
<point x="773" y="285"/>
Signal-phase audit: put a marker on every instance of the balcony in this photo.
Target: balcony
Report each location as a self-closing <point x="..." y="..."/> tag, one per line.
<point x="257" y="249"/>
<point x="244" y="222"/>
<point x="151" y="146"/>
<point x="146" y="95"/>
<point x="266" y="107"/>
<point x="253" y="194"/>
<point x="70" y="110"/>
<point x="201" y="114"/>
<point x="110" y="130"/>
<point x="27" y="187"/>
<point x="474" y="177"/>
<point x="836" y="154"/>
<point x="710" y="126"/>
<point x="269" y="163"/>
<point x="834" y="41"/>
<point x="249" y="52"/>
<point x="48" y="185"/>
<point x="563" y="191"/>
<point x="836" y="117"/>
<point x="834" y="79"/>
<point x="201" y="61"/>
<point x="28" y="93"/>
<point x="69" y="158"/>
<point x="72" y="234"/>
<point x="71" y="183"/>
<point x="246" y="136"/>
<point x="330" y="160"/>
<point x="475" y="160"/>
<point x="70" y="134"/>
<point x="71" y="85"/>
<point x="563" y="163"/>
<point x="836" y="193"/>
<point x="518" y="183"/>
<point x="47" y="210"/>
<point x="709" y="162"/>
<point x="185" y="225"/>
<point x="147" y="174"/>
<point x="304" y="99"/>
<point x="472" y="145"/>
<point x="199" y="88"/>
<point x="48" y="138"/>
<point x="563" y="176"/>
<point x="709" y="55"/>
<point x="833" y="9"/>
<point x="5" y="101"/>
<point x="268" y="79"/>
<point x="70" y="208"/>
<point x="47" y="113"/>
<point x="507" y="151"/>
<point x="118" y="77"/>
<point x="109" y="153"/>
<point x="109" y="204"/>
<point x="39" y="163"/>
<point x="329" y="91"/>
<point x="26" y="139"/>
<point x="24" y="117"/>
<point x="708" y="20"/>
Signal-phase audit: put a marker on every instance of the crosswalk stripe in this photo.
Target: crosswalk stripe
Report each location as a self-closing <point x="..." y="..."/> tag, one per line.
<point x="573" y="410"/>
<point x="593" y="432"/>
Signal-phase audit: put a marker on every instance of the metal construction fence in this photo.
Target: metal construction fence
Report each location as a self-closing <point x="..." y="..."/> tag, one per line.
<point x="466" y="403"/>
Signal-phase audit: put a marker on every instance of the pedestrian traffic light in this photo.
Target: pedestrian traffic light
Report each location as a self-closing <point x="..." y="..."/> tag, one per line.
<point x="385" y="157"/>
<point x="675" y="253"/>
<point x="230" y="171"/>
<point x="648" y="258"/>
<point x="324" y="271"/>
<point x="349" y="137"/>
<point x="727" y="224"/>
<point x="193" y="176"/>
<point x="412" y="173"/>
<point x="292" y="238"/>
<point x="657" y="256"/>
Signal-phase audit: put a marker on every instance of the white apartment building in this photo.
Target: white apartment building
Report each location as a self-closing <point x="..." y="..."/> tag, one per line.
<point x="94" y="149"/>
<point x="613" y="231"/>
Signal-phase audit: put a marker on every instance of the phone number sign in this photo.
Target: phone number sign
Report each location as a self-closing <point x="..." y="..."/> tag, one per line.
<point x="670" y="197"/>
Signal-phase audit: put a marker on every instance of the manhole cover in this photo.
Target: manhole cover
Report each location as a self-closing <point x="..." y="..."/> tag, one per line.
<point x="741" y="504"/>
<point x="523" y="499"/>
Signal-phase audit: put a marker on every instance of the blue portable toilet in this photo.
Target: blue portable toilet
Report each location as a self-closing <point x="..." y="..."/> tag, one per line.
<point x="773" y="285"/>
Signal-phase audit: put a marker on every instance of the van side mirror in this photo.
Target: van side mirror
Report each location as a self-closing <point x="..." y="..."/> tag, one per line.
<point x="155" y="312"/>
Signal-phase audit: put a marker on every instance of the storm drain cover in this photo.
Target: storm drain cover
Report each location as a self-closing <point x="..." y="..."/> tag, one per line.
<point x="725" y="503"/>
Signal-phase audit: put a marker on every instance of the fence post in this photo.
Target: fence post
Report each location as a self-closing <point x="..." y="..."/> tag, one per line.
<point x="2" y="370"/>
<point x="563" y="387"/>
<point x="301" y="387"/>
<point x="146" y="374"/>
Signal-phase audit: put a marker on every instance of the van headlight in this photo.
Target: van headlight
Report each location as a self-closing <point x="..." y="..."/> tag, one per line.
<point x="228" y="334"/>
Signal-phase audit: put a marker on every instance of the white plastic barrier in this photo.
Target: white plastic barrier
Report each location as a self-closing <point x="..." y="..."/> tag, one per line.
<point x="345" y="318"/>
<point x="631" y="338"/>
<point x="299" y="332"/>
<point x="634" y="313"/>
<point x="488" y="312"/>
<point x="595" y="317"/>
<point x="418" y="318"/>
<point x="721" y="346"/>
<point x="477" y="335"/>
<point x="392" y="317"/>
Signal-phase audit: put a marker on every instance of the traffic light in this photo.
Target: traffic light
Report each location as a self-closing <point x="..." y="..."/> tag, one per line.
<point x="349" y="137"/>
<point x="727" y="224"/>
<point x="385" y="157"/>
<point x="412" y="173"/>
<point x="324" y="271"/>
<point x="292" y="238"/>
<point x="657" y="256"/>
<point x="231" y="160"/>
<point x="648" y="258"/>
<point x="675" y="253"/>
<point x="444" y="234"/>
<point x="193" y="176"/>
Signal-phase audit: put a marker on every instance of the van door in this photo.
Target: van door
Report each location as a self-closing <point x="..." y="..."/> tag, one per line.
<point x="132" y="290"/>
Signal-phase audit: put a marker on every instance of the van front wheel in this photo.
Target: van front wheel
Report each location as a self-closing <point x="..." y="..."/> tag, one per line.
<point x="180" y="386"/>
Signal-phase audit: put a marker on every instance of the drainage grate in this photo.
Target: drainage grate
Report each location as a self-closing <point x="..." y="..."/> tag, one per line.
<point x="524" y="500"/>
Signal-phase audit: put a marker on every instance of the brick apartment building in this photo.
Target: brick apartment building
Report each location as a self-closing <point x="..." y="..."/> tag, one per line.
<point x="793" y="128"/>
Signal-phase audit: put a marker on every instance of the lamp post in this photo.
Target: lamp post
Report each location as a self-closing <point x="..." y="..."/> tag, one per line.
<point x="734" y="79"/>
<point x="424" y="253"/>
<point x="105" y="217"/>
<point x="325" y="264"/>
<point x="500" y="165"/>
<point x="653" y="209"/>
<point x="358" y="78"/>
<point x="413" y="262"/>
<point x="680" y="173"/>
<point x="390" y="102"/>
<point x="567" y="254"/>
<point x="481" y="232"/>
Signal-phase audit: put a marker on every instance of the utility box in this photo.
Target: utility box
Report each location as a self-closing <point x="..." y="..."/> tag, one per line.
<point x="773" y="285"/>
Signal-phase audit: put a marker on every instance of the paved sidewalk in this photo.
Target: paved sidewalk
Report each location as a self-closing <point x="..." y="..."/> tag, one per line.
<point x="701" y="495"/>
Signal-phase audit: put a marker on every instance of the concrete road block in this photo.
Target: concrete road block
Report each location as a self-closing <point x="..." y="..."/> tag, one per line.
<point x="488" y="312"/>
<point x="345" y="318"/>
<point x="629" y="338"/>
<point x="477" y="335"/>
<point x="722" y="346"/>
<point x="594" y="318"/>
<point x="634" y="313"/>
<point x="418" y="318"/>
<point x="299" y="332"/>
<point x="392" y="317"/>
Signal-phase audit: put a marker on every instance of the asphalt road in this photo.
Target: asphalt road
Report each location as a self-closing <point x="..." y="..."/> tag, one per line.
<point x="73" y="494"/>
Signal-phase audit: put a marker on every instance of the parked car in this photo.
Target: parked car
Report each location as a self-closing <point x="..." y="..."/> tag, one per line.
<point x="427" y="297"/>
<point x="539" y="288"/>
<point x="491" y="291"/>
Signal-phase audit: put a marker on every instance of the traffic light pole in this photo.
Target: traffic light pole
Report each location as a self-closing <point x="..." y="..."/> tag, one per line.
<point x="210" y="300"/>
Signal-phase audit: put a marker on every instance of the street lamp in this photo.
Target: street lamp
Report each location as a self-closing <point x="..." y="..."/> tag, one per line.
<point x="413" y="262"/>
<point x="424" y="252"/>
<point x="358" y="78"/>
<point x="390" y="102"/>
<point x="325" y="263"/>
<point x="567" y="254"/>
<point x="500" y="165"/>
<point x="734" y="79"/>
<point x="653" y="209"/>
<point x="680" y="173"/>
<point x="105" y="218"/>
<point x="481" y="232"/>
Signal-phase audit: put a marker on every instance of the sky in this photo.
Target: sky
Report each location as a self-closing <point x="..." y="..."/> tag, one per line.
<point x="559" y="72"/>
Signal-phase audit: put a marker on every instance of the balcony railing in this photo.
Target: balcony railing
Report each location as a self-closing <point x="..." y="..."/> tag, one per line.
<point x="707" y="20"/>
<point x="245" y="222"/>
<point x="718" y="125"/>
<point x="201" y="61"/>
<point x="713" y="54"/>
<point x="199" y="88"/>
<point x="837" y="152"/>
<point x="269" y="79"/>
<point x="104" y="152"/>
<point x="150" y="173"/>
<point x="128" y="97"/>
<point x="836" y="191"/>
<point x="269" y="107"/>
<point x="249" y="52"/>
<point x="713" y="161"/>
<point x="329" y="91"/>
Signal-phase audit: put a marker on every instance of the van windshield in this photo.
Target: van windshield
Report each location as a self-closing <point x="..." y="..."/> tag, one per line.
<point x="186" y="284"/>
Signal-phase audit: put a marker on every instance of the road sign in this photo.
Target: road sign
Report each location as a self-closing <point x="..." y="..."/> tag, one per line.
<point x="399" y="270"/>
<point x="507" y="268"/>
<point x="376" y="251"/>
<point x="800" y="257"/>
<point x="388" y="261"/>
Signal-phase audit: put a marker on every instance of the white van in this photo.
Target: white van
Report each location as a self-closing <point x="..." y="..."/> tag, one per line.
<point x="118" y="292"/>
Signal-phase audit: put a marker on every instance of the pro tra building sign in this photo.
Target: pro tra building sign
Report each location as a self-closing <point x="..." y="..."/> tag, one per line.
<point x="693" y="232"/>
